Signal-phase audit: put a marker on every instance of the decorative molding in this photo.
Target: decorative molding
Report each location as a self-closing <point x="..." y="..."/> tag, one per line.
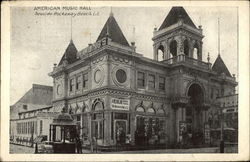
<point x="114" y="79"/>
<point x="101" y="73"/>
<point x="120" y="59"/>
<point x="97" y="60"/>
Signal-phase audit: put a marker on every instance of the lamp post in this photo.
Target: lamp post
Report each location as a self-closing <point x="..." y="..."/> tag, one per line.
<point x="91" y="133"/>
<point x="222" y="133"/>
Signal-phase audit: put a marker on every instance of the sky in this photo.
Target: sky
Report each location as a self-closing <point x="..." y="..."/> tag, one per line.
<point x="39" y="41"/>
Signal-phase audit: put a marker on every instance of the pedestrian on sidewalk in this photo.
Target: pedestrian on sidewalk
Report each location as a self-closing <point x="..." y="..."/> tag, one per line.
<point x="78" y="145"/>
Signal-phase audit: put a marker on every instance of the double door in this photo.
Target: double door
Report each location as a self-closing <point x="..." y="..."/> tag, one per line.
<point x="120" y="132"/>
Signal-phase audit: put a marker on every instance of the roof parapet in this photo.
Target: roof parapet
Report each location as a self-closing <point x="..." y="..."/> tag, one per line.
<point x="175" y="26"/>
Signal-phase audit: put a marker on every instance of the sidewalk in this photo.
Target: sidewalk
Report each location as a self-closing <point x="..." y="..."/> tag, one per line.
<point x="193" y="150"/>
<point x="19" y="149"/>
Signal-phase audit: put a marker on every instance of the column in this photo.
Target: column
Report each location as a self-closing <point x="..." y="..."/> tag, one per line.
<point x="177" y="121"/>
<point x="132" y="127"/>
<point x="200" y="51"/>
<point x="107" y="128"/>
<point x="155" y="53"/>
<point x="171" y="128"/>
<point x="180" y="46"/>
<point x="165" y="54"/>
<point x="180" y="116"/>
<point x="89" y="126"/>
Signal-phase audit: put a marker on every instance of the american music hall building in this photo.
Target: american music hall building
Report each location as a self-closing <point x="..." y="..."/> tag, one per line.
<point x="118" y="96"/>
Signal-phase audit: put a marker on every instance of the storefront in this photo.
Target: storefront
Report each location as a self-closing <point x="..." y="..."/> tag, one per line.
<point x="150" y="126"/>
<point x="121" y="124"/>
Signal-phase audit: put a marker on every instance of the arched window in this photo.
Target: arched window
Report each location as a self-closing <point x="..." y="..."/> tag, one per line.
<point x="140" y="109"/>
<point x="173" y="48"/>
<point x="98" y="105"/>
<point x="160" y="53"/>
<point x="196" y="51"/>
<point x="151" y="110"/>
<point x="78" y="110"/>
<point x="160" y="111"/>
<point x="186" y="48"/>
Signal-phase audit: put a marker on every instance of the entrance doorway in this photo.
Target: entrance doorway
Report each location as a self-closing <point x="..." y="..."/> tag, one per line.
<point x="97" y="129"/>
<point x="140" y="138"/>
<point x="194" y="113"/>
<point x="120" y="131"/>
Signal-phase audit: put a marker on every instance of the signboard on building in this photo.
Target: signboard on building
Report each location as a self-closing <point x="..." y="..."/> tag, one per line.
<point x="120" y="103"/>
<point x="230" y="110"/>
<point x="207" y="136"/>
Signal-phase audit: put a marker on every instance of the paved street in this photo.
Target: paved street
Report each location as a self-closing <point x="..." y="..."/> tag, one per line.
<point x="17" y="149"/>
<point x="194" y="150"/>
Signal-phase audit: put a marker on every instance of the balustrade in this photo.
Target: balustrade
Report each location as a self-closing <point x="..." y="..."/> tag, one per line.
<point x="187" y="60"/>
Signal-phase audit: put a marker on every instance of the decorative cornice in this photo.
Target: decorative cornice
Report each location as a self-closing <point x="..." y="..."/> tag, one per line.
<point x="115" y="91"/>
<point x="179" y="101"/>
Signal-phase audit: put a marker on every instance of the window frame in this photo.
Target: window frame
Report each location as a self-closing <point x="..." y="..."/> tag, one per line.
<point x="41" y="127"/>
<point x="151" y="81"/>
<point x="141" y="80"/>
<point x="78" y="82"/>
<point x="71" y="84"/>
<point x="85" y="80"/>
<point x="164" y="83"/>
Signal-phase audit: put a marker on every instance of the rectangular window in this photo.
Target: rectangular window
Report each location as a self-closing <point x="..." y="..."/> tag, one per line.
<point x="78" y="118"/>
<point x="217" y="93"/>
<point x="212" y="93"/>
<point x="17" y="128"/>
<point x="41" y="126"/>
<point x="161" y="83"/>
<point x="121" y="116"/>
<point x="141" y="80"/>
<point x="71" y="85"/>
<point x="25" y="107"/>
<point x="85" y="80"/>
<point x="151" y="81"/>
<point x="26" y="127"/>
<point x="222" y="92"/>
<point x="78" y="82"/>
<point x="35" y="127"/>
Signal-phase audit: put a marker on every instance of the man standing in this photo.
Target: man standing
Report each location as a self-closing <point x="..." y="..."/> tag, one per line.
<point x="78" y="145"/>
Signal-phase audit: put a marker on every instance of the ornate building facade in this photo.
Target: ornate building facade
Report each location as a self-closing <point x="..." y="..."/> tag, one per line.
<point x="118" y="96"/>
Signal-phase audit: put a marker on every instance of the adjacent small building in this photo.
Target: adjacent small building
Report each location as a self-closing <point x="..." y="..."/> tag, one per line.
<point x="31" y="115"/>
<point x="38" y="96"/>
<point x="229" y="106"/>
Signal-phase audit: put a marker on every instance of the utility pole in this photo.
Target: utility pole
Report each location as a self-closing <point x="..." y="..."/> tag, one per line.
<point x="222" y="133"/>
